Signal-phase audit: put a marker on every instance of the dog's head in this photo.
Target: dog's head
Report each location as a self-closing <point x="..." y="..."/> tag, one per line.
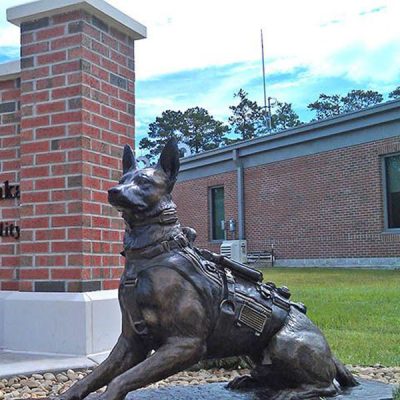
<point x="147" y="191"/>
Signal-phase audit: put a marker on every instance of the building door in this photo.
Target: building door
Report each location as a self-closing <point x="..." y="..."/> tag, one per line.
<point x="217" y="200"/>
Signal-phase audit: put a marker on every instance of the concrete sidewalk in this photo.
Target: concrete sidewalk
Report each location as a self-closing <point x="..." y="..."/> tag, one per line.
<point x="15" y="363"/>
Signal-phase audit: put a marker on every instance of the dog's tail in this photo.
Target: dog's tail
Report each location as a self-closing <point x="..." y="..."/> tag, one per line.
<point x="343" y="375"/>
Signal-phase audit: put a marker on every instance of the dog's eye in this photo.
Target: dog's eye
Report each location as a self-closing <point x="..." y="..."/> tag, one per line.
<point x="142" y="180"/>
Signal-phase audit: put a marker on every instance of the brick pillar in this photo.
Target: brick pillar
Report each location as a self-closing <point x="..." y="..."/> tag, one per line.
<point x="77" y="112"/>
<point x="9" y="178"/>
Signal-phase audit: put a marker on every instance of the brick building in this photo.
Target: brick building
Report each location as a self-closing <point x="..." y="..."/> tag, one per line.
<point x="67" y="110"/>
<point x="325" y="193"/>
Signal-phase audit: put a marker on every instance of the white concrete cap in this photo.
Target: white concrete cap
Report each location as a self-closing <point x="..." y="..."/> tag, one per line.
<point x="75" y="324"/>
<point x="10" y="70"/>
<point x="45" y="8"/>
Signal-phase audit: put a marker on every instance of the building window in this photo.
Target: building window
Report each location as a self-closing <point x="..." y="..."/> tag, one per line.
<point x="217" y="213"/>
<point x="392" y="172"/>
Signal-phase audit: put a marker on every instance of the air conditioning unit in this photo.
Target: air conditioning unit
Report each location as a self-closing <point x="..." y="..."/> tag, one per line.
<point x="236" y="250"/>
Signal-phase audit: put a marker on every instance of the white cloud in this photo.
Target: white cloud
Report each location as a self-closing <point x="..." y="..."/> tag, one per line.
<point x="189" y="35"/>
<point x="9" y="36"/>
<point x="185" y="35"/>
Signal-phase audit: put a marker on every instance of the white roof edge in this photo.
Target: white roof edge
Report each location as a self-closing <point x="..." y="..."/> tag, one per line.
<point x="10" y="70"/>
<point x="45" y="8"/>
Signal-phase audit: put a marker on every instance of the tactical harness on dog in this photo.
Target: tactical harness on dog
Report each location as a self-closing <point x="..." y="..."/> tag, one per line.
<point x="244" y="302"/>
<point x="263" y="308"/>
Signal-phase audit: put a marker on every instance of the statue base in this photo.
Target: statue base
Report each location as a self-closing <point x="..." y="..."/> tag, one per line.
<point x="367" y="390"/>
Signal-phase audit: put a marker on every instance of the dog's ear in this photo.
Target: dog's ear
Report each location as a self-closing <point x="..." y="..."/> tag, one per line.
<point x="169" y="160"/>
<point x="128" y="159"/>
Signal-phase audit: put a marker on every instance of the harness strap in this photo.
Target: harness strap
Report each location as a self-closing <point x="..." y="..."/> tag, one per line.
<point x="227" y="307"/>
<point x="165" y="246"/>
<point x="229" y="288"/>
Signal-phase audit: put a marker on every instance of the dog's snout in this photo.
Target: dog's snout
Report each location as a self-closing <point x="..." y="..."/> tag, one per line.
<point x="114" y="190"/>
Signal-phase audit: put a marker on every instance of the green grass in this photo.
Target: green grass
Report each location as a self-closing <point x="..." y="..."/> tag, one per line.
<point x="358" y="310"/>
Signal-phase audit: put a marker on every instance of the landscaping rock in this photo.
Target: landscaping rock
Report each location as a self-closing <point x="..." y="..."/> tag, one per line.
<point x="50" y="384"/>
<point x="62" y="378"/>
<point x="72" y="375"/>
<point x="49" y="376"/>
<point x="30" y="383"/>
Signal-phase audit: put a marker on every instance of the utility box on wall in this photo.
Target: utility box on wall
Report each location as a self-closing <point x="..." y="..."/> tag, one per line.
<point x="236" y="250"/>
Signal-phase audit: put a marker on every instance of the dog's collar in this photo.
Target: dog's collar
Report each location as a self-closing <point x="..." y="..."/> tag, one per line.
<point x="154" y="250"/>
<point x="166" y="217"/>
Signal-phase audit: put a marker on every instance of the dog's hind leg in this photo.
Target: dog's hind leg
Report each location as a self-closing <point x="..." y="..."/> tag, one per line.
<point x="175" y="355"/>
<point x="125" y="354"/>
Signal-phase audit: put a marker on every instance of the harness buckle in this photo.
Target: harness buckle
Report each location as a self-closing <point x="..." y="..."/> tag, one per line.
<point x="227" y="306"/>
<point x="229" y="276"/>
<point x="181" y="240"/>
<point x="140" y="328"/>
<point x="166" y="246"/>
<point x="131" y="282"/>
<point x="281" y="302"/>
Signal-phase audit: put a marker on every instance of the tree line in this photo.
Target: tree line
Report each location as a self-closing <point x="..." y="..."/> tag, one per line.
<point x="201" y="131"/>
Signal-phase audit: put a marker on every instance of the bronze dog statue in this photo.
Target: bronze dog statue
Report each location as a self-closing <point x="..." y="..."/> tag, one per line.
<point x="179" y="306"/>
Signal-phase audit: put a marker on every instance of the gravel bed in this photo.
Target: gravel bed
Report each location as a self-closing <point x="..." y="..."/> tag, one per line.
<point x="378" y="372"/>
<point x="51" y="384"/>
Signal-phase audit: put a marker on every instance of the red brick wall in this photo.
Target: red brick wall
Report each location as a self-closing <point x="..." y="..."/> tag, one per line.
<point x="191" y="198"/>
<point x="319" y="206"/>
<point x="77" y="102"/>
<point x="9" y="171"/>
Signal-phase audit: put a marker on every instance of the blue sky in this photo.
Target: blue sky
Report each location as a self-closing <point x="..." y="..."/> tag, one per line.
<point x="200" y="54"/>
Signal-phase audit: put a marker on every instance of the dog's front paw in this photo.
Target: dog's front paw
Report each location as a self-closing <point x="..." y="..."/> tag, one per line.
<point x="110" y="396"/>
<point x="242" y="382"/>
<point x="113" y="392"/>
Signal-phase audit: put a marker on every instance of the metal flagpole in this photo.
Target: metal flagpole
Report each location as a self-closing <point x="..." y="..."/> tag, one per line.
<point x="265" y="92"/>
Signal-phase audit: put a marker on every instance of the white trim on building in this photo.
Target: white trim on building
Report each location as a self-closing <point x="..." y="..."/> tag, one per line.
<point x="45" y="8"/>
<point x="10" y="70"/>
